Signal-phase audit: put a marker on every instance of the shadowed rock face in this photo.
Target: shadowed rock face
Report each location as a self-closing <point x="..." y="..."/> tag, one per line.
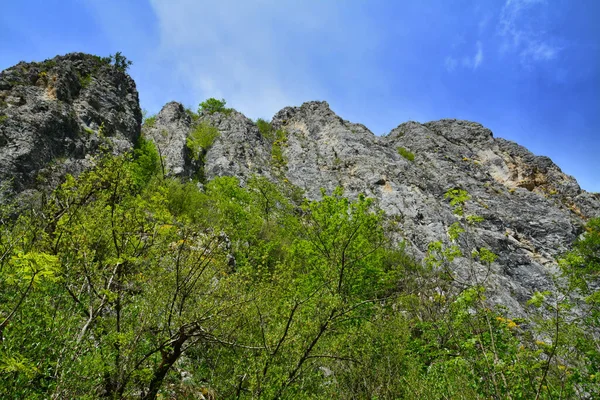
<point x="54" y="116"/>
<point x="532" y="210"/>
<point x="56" y="113"/>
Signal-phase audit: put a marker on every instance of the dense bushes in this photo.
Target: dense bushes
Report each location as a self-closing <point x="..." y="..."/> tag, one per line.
<point x="125" y="284"/>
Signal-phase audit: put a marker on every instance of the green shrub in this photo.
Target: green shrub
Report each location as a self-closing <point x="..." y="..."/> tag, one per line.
<point x="3" y="118"/>
<point x="47" y="65"/>
<point x="150" y="121"/>
<point x="146" y="162"/>
<point x="192" y="114"/>
<point x="265" y="129"/>
<point x="85" y="80"/>
<point x="279" y="161"/>
<point x="199" y="141"/>
<point x="213" y="105"/>
<point x="120" y="62"/>
<point x="406" y="153"/>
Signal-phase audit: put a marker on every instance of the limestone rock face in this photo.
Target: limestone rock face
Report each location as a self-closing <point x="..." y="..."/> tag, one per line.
<point x="532" y="211"/>
<point x="55" y="114"/>
<point x="169" y="131"/>
<point x="239" y="150"/>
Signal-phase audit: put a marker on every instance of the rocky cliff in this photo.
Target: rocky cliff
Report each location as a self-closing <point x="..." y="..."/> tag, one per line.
<point x="58" y="112"/>
<point x="55" y="114"/>
<point x="532" y="211"/>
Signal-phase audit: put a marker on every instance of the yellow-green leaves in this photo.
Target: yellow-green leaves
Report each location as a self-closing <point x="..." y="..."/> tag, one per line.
<point x="454" y="231"/>
<point x="15" y="364"/>
<point x="538" y="298"/>
<point x="474" y="219"/>
<point x="32" y="267"/>
<point x="458" y="198"/>
<point x="484" y="255"/>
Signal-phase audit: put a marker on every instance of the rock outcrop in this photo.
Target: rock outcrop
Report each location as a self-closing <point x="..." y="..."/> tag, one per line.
<point x="55" y="114"/>
<point x="532" y="211"/>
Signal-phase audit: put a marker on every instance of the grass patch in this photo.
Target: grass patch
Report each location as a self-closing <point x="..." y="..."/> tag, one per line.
<point x="406" y="153"/>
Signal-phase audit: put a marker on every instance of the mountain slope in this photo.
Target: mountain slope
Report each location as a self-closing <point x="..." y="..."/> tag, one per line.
<point x="532" y="211"/>
<point x="56" y="115"/>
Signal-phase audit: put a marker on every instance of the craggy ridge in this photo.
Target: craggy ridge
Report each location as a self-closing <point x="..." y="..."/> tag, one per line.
<point x="55" y="115"/>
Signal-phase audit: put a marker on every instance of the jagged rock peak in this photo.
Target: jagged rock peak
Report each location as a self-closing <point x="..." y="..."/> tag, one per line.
<point x="56" y="113"/>
<point x="169" y="131"/>
<point x="314" y="118"/>
<point x="172" y="112"/>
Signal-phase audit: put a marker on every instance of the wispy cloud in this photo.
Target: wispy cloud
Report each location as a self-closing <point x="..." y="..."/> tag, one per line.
<point x="478" y="58"/>
<point x="471" y="62"/>
<point x="260" y="56"/>
<point x="539" y="51"/>
<point x="451" y="63"/>
<point x="523" y="33"/>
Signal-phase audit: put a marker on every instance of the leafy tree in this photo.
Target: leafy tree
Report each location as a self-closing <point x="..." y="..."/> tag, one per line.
<point x="124" y="284"/>
<point x="120" y="62"/>
<point x="213" y="105"/>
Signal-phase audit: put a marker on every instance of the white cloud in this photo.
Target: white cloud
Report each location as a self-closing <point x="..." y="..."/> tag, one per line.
<point x="523" y="32"/>
<point x="259" y="56"/>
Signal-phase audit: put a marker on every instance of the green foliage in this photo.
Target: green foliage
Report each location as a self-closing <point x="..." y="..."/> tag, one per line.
<point x="213" y="105"/>
<point x="474" y="219"/>
<point x="265" y="129"/>
<point x="581" y="268"/>
<point x="85" y="80"/>
<point x="119" y="61"/>
<point x="149" y="121"/>
<point x="582" y="264"/>
<point x="406" y="153"/>
<point x="485" y="256"/>
<point x="3" y="119"/>
<point x="123" y="280"/>
<point x="47" y="65"/>
<point x="146" y="162"/>
<point x="194" y="116"/>
<point x="454" y="231"/>
<point x="458" y="198"/>
<point x="280" y="142"/>
<point x="201" y="139"/>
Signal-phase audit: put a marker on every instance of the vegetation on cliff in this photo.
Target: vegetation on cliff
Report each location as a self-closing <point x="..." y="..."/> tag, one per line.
<point x="127" y="284"/>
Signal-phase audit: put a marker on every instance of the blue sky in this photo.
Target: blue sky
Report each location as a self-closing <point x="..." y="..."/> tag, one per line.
<point x="527" y="69"/>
